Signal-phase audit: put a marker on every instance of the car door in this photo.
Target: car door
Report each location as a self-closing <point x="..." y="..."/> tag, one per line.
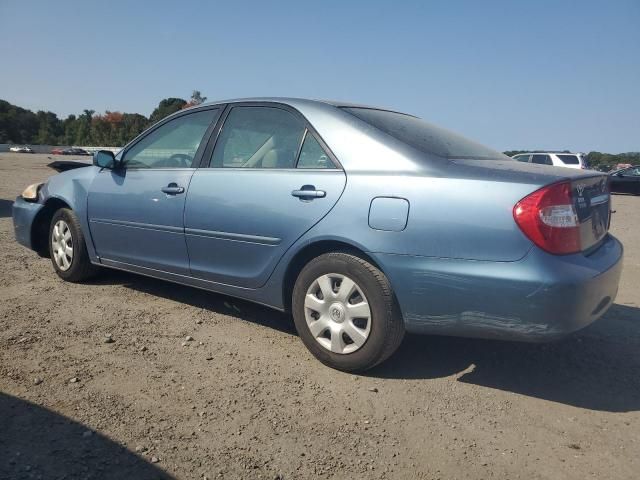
<point x="136" y="211"/>
<point x="626" y="181"/>
<point x="634" y="180"/>
<point x="619" y="181"/>
<point x="269" y="180"/>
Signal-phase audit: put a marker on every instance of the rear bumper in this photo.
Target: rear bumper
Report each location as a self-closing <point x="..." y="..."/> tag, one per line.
<point x="23" y="215"/>
<point x="541" y="297"/>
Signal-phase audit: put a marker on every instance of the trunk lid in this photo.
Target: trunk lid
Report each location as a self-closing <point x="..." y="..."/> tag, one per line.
<point x="592" y="203"/>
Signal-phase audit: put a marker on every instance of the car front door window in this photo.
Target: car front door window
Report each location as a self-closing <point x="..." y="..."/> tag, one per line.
<point x="172" y="145"/>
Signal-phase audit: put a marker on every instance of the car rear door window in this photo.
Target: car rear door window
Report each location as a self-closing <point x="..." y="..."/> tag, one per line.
<point x="569" y="159"/>
<point x="172" y="145"/>
<point x="312" y="155"/>
<point x="258" y="137"/>
<point x="541" y="159"/>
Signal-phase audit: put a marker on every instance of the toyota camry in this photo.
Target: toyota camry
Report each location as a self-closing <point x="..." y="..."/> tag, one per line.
<point x="362" y="222"/>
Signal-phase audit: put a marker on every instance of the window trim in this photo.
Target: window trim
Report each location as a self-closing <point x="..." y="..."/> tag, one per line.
<point x="214" y="136"/>
<point x="198" y="155"/>
<point x="302" y="139"/>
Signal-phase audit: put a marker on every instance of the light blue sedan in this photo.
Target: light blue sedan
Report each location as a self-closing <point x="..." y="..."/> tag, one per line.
<point x="362" y="222"/>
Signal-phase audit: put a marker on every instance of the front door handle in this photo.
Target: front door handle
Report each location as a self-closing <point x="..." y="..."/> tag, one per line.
<point x="173" y="189"/>
<point x="308" y="192"/>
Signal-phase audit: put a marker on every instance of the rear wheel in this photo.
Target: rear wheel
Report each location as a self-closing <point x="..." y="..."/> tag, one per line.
<point x="345" y="312"/>
<point x="68" y="249"/>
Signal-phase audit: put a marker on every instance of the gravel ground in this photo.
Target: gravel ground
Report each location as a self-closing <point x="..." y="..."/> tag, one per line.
<point x="99" y="381"/>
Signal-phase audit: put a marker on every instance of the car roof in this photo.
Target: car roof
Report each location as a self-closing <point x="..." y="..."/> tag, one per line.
<point x="549" y="153"/>
<point x="294" y="101"/>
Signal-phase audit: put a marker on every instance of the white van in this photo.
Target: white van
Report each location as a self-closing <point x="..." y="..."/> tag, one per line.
<point x="569" y="160"/>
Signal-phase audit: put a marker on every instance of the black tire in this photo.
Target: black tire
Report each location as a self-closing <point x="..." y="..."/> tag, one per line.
<point x="80" y="267"/>
<point x="387" y="327"/>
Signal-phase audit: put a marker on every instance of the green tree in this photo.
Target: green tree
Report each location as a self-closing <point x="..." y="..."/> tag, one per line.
<point x="133" y="125"/>
<point x="83" y="128"/>
<point x="166" y="107"/>
<point x="70" y="126"/>
<point x="197" y="98"/>
<point x="17" y="125"/>
<point x="49" y="129"/>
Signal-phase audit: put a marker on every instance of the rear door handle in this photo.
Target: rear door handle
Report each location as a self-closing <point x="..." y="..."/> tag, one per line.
<point x="173" y="189"/>
<point x="308" y="192"/>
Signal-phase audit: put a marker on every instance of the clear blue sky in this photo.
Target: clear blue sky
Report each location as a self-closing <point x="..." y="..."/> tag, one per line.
<point x="510" y="74"/>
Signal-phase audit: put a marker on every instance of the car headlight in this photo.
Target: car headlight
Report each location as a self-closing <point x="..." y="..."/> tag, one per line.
<point x="30" y="193"/>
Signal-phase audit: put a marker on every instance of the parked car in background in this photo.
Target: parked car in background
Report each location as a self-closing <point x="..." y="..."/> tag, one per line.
<point x="76" y="151"/>
<point x="362" y="222"/>
<point x="626" y="180"/>
<point x="21" y="149"/>
<point x="622" y="166"/>
<point x="69" y="151"/>
<point x="569" y="160"/>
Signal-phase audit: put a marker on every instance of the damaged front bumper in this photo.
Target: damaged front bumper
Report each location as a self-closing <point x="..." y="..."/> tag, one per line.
<point x="24" y="214"/>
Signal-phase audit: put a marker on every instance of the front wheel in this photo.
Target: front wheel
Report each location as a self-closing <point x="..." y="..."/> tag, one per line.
<point x="68" y="248"/>
<point x="345" y="312"/>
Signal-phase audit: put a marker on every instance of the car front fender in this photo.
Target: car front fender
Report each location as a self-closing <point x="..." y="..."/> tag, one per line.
<point x="72" y="188"/>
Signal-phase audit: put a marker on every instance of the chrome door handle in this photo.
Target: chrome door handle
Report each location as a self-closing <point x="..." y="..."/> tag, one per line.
<point x="173" y="189"/>
<point x="308" y="192"/>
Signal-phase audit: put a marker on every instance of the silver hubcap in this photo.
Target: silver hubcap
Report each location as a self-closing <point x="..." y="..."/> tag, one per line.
<point x="62" y="245"/>
<point x="337" y="313"/>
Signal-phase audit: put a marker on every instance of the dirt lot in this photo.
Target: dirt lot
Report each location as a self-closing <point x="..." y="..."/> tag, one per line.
<point x="244" y="399"/>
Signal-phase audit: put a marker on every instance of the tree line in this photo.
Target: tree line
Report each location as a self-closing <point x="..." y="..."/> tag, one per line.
<point x="111" y="129"/>
<point x="115" y="129"/>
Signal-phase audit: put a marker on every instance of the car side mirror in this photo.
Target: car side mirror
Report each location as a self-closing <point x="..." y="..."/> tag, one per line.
<point x="104" y="159"/>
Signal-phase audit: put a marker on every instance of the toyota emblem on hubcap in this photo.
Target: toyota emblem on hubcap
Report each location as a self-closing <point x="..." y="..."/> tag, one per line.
<point x="337" y="313"/>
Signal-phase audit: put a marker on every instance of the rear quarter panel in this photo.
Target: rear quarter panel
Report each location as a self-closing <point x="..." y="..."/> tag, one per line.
<point x="448" y="217"/>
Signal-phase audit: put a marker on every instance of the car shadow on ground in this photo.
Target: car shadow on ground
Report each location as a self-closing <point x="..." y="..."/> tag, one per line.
<point x="215" y="303"/>
<point x="5" y="207"/>
<point x="594" y="369"/>
<point x="38" y="443"/>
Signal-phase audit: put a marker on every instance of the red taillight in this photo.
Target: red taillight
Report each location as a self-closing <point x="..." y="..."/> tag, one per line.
<point x="549" y="219"/>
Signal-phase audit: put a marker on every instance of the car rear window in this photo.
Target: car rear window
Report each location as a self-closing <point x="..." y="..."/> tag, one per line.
<point x="569" y="159"/>
<point x="424" y="136"/>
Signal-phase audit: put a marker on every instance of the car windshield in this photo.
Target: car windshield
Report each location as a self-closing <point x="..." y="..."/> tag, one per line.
<point x="424" y="136"/>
